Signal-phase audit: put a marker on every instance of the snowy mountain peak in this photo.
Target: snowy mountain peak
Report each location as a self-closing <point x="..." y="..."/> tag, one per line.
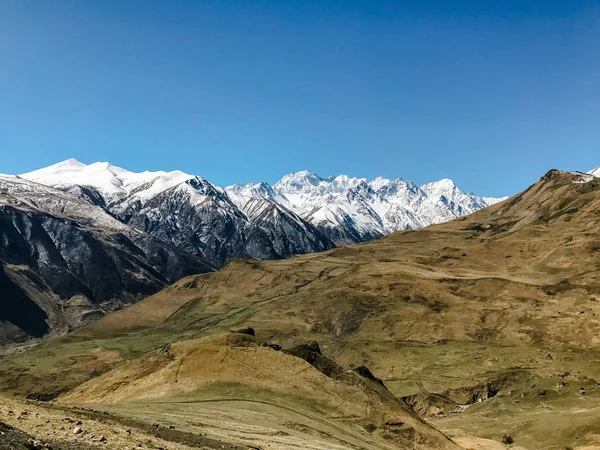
<point x="298" y="181"/>
<point x="595" y="172"/>
<point x="306" y="183"/>
<point x="241" y="194"/>
<point x="110" y="181"/>
<point x="261" y="189"/>
<point x="68" y="163"/>
<point x="380" y="182"/>
<point x="71" y="172"/>
<point x="443" y="185"/>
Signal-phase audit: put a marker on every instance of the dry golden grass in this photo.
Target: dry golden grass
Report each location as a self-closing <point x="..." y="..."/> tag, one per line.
<point x="237" y="369"/>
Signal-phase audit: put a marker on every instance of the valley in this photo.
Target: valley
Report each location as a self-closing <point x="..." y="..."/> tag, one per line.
<point x="483" y="331"/>
<point x="271" y="225"/>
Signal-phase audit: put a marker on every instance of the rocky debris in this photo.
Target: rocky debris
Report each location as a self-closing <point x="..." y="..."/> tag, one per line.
<point x="244" y="330"/>
<point x="14" y="439"/>
<point x="508" y="440"/>
<point x="370" y="428"/>
<point x="364" y="372"/>
<point x="164" y="351"/>
<point x="314" y="346"/>
<point x="275" y="347"/>
<point x="428" y="405"/>
<point x="77" y="430"/>
<point x="37" y="445"/>
<point x="469" y="395"/>
<point x="311" y="353"/>
<point x="43" y="397"/>
<point x="242" y="340"/>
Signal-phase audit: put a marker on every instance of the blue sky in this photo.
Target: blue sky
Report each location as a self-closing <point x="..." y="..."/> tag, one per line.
<point x="489" y="93"/>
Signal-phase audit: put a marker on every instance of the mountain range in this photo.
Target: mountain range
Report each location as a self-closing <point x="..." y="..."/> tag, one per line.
<point x="79" y="241"/>
<point x="345" y="210"/>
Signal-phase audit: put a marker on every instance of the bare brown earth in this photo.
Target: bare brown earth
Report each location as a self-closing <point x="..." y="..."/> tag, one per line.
<point x="487" y="326"/>
<point x="36" y="426"/>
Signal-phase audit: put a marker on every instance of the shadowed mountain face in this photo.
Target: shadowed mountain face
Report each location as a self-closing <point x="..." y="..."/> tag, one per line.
<point x="65" y="262"/>
<point x="19" y="310"/>
<point x="487" y="325"/>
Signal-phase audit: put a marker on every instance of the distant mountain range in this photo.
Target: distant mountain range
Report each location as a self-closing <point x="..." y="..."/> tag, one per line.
<point x="344" y="209"/>
<point x="350" y="210"/>
<point x="80" y="240"/>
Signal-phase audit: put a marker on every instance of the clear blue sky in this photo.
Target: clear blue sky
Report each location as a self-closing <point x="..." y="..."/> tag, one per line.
<point x="489" y="93"/>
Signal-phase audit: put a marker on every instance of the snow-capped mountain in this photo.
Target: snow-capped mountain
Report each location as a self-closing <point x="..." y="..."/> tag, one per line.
<point x="208" y="221"/>
<point x="338" y="206"/>
<point x="351" y="210"/>
<point x="218" y="224"/>
<point x="240" y="194"/>
<point x="65" y="261"/>
<point x="595" y="172"/>
<point x="189" y="212"/>
<point x="109" y="182"/>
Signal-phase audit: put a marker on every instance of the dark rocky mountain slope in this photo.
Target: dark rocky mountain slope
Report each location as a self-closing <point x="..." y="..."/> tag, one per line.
<point x="65" y="262"/>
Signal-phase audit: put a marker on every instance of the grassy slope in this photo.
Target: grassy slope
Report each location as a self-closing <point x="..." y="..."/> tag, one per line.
<point x="255" y="396"/>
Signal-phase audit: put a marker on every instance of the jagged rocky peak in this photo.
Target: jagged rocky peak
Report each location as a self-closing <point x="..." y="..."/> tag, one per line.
<point x="241" y="194"/>
<point x="377" y="207"/>
<point x="298" y="181"/>
<point x="307" y="182"/>
<point x="391" y="187"/>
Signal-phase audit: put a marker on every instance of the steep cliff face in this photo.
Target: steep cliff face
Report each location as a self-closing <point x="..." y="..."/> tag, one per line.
<point x="193" y="216"/>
